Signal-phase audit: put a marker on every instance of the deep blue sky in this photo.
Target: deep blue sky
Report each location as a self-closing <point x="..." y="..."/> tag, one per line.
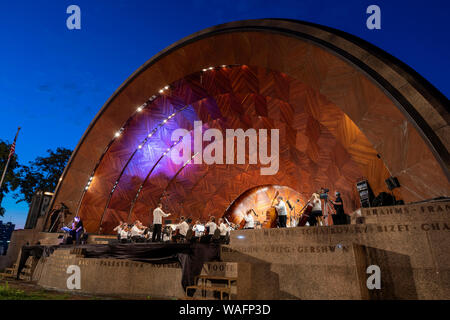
<point x="54" y="80"/>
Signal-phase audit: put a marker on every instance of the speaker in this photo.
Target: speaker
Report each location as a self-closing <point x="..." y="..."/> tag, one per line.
<point x="38" y="207"/>
<point x="392" y="183"/>
<point x="366" y="195"/>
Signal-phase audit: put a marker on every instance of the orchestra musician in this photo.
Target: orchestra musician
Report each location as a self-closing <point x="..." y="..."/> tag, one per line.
<point x="158" y="214"/>
<point x="199" y="230"/>
<point x="282" y="212"/>
<point x="137" y="232"/>
<point x="119" y="228"/>
<point x="181" y="229"/>
<point x="124" y="233"/>
<point x="316" y="210"/>
<point x="224" y="230"/>
<point x="77" y="229"/>
<point x="340" y="217"/>
<point x="211" y="225"/>
<point x="249" y="221"/>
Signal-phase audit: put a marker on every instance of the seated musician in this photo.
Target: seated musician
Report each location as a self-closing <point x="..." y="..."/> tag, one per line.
<point x="282" y="212"/>
<point x="124" y="233"/>
<point x="119" y="228"/>
<point x="137" y="232"/>
<point x="249" y="221"/>
<point x="167" y="234"/>
<point x="182" y="228"/>
<point x="77" y="229"/>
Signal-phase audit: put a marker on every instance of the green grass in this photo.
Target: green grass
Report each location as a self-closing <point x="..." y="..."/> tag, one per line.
<point x="7" y="293"/>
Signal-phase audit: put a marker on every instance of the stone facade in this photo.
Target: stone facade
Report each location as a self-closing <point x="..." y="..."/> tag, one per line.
<point x="410" y="244"/>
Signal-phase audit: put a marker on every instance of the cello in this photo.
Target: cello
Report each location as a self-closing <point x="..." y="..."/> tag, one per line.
<point x="271" y="215"/>
<point x="307" y="209"/>
<point x="242" y="223"/>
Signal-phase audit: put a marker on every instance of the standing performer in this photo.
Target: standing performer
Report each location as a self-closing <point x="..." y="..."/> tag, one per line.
<point x="249" y="221"/>
<point x="316" y="210"/>
<point x="282" y="212"/>
<point x="340" y="217"/>
<point x="224" y="230"/>
<point x="211" y="226"/>
<point x="182" y="228"/>
<point x="158" y="213"/>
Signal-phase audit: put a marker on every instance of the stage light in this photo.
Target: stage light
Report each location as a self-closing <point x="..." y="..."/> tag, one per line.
<point x="166" y="87"/>
<point x="223" y="66"/>
<point x="161" y="91"/>
<point x="240" y="237"/>
<point x="117" y="134"/>
<point x="139" y="109"/>
<point x="204" y="70"/>
<point x="90" y="179"/>
<point x="140" y="146"/>
<point x="87" y="187"/>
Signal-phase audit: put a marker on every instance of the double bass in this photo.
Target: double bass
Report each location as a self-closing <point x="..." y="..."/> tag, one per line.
<point x="271" y="215"/>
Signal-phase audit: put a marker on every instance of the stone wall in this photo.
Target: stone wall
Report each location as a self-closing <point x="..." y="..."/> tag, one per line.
<point x="110" y="276"/>
<point x="410" y="242"/>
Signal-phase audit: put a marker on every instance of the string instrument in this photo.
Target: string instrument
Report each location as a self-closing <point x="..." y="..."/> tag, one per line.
<point x="271" y="215"/>
<point x="307" y="209"/>
<point x="242" y="223"/>
<point x="176" y="232"/>
<point x="228" y="222"/>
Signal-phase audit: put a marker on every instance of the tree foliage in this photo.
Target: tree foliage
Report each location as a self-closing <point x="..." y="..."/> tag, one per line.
<point x="41" y="174"/>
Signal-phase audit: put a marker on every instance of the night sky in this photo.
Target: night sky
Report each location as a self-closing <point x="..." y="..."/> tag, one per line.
<point x="53" y="80"/>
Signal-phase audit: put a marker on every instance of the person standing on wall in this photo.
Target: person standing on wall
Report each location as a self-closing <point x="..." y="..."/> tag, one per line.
<point x="340" y="217"/>
<point x="316" y="210"/>
<point x="158" y="214"/>
<point x="282" y="212"/>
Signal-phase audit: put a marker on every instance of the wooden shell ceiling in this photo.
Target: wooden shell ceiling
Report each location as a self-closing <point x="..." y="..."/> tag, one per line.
<point x="337" y="106"/>
<point x="319" y="146"/>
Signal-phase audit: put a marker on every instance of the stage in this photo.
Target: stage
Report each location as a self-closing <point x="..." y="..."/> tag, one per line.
<point x="410" y="244"/>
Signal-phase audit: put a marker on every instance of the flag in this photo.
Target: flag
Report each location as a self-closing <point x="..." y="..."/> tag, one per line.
<point x="13" y="149"/>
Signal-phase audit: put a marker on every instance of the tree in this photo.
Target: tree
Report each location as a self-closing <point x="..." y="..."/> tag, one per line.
<point x="8" y="183"/>
<point x="42" y="174"/>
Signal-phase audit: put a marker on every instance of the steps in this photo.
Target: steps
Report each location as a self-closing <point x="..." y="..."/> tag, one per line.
<point x="25" y="274"/>
<point x="212" y="288"/>
<point x="10" y="273"/>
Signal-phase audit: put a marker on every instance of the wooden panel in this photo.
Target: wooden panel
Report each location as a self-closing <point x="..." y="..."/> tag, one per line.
<point x="321" y="78"/>
<point x="319" y="146"/>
